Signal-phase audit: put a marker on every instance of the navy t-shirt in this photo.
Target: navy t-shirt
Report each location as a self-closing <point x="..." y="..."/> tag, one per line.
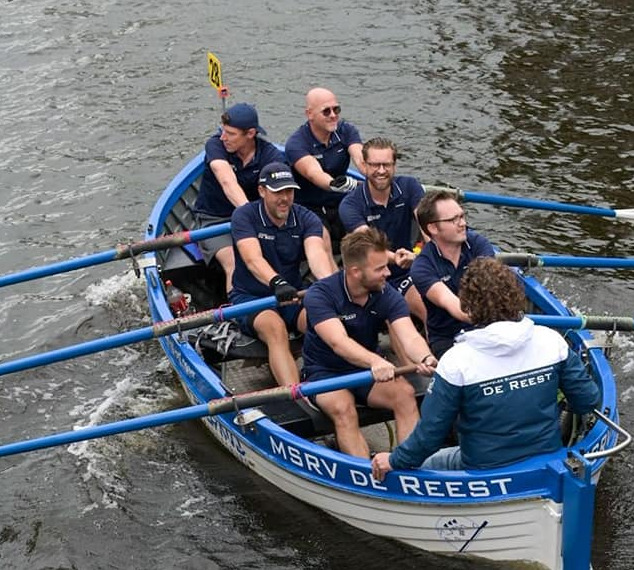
<point x="211" y="198"/>
<point x="430" y="267"/>
<point x="334" y="159"/>
<point x="395" y="219"/>
<point x="328" y="298"/>
<point x="282" y="247"/>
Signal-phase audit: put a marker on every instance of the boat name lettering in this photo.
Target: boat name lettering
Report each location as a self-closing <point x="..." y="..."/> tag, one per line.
<point x="454" y="489"/>
<point x="228" y="438"/>
<point x="305" y="460"/>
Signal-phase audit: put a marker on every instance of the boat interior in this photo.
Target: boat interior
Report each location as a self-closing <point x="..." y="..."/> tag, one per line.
<point x="240" y="361"/>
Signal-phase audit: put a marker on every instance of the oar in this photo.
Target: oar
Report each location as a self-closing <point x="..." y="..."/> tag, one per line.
<point x="533" y="260"/>
<point x="598" y="322"/>
<point x="498" y="200"/>
<point x="212" y="408"/>
<point x="158" y="329"/>
<point x="121" y="251"/>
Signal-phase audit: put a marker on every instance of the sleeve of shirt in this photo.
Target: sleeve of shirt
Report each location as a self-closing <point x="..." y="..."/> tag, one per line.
<point x="312" y="224"/>
<point x="482" y="246"/>
<point x="295" y="147"/>
<point x="580" y="389"/>
<point x="349" y="133"/>
<point x="423" y="272"/>
<point x="350" y="212"/>
<point x="438" y="412"/>
<point x="241" y="225"/>
<point x="318" y="303"/>
<point x="270" y="153"/>
<point x="214" y="149"/>
<point x="415" y="192"/>
<point x="396" y="306"/>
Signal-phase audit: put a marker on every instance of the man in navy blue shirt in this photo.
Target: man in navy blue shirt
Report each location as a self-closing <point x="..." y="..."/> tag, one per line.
<point x="437" y="271"/>
<point x="387" y="202"/>
<point x="271" y="237"/>
<point x="345" y="313"/>
<point x="319" y="152"/>
<point x="233" y="159"/>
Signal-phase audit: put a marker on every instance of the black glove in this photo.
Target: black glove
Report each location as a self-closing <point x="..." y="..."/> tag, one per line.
<point x="283" y="290"/>
<point x="343" y="184"/>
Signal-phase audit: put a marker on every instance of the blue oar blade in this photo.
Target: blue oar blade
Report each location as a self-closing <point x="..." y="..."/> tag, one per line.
<point x="534" y="260"/>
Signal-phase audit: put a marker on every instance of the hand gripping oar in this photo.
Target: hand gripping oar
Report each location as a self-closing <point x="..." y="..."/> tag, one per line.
<point x="533" y="260"/>
<point x="158" y="329"/>
<point x="121" y="251"/>
<point x="594" y="322"/>
<point x="212" y="408"/>
<point x="513" y="202"/>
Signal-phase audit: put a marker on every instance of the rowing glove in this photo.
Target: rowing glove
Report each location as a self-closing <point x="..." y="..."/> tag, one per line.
<point x="283" y="290"/>
<point x="343" y="184"/>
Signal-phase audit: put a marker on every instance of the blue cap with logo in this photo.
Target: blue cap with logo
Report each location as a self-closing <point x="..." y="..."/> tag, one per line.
<point x="243" y="116"/>
<point x="277" y="176"/>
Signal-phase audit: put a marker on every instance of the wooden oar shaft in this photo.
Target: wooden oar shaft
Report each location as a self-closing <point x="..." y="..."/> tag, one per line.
<point x="157" y="330"/>
<point x="595" y="322"/>
<point x="121" y="251"/>
<point x="534" y="260"/>
<point x="214" y="407"/>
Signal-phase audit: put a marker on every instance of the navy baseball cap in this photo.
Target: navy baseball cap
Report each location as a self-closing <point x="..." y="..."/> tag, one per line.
<point x="243" y="116"/>
<point x="277" y="176"/>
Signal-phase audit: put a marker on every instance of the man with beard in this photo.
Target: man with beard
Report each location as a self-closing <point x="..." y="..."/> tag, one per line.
<point x="387" y="202"/>
<point x="234" y="157"/>
<point x="319" y="152"/>
<point x="271" y="237"/>
<point x="345" y="313"/>
<point x="437" y="271"/>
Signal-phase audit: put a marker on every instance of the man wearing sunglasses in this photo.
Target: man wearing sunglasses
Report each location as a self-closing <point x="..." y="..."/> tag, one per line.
<point x="437" y="271"/>
<point x="319" y="152"/>
<point x="387" y="202"/>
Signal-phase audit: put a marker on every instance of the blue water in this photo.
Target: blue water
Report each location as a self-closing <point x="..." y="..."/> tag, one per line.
<point x="103" y="102"/>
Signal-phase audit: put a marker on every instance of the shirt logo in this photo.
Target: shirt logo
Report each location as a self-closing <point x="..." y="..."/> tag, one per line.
<point x="445" y="278"/>
<point x="262" y="235"/>
<point x="371" y="218"/>
<point x="348" y="317"/>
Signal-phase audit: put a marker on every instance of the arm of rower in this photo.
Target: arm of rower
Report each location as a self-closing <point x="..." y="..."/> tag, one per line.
<point x="309" y="168"/>
<point x="227" y="179"/>
<point x="355" y="152"/>
<point x="318" y="261"/>
<point x="251" y="253"/>
<point x="413" y="343"/>
<point x="441" y="296"/>
<point x="333" y="333"/>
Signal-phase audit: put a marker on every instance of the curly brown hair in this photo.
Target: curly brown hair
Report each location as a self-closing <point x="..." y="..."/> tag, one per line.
<point x="490" y="292"/>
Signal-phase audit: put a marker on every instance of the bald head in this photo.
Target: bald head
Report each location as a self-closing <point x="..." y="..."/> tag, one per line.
<point x="318" y="97"/>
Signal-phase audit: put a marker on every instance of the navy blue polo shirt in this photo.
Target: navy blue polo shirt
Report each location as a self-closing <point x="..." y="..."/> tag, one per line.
<point x="430" y="267"/>
<point x="211" y="198"/>
<point x="395" y="219"/>
<point x="282" y="247"/>
<point x="328" y="298"/>
<point x="333" y="157"/>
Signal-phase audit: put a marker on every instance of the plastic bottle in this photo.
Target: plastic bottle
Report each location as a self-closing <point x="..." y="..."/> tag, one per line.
<point x="176" y="299"/>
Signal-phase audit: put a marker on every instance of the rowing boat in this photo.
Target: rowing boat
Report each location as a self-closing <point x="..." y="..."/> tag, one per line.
<point x="539" y="510"/>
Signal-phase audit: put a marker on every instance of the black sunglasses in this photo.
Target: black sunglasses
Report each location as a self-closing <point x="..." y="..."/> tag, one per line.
<point x="336" y="110"/>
